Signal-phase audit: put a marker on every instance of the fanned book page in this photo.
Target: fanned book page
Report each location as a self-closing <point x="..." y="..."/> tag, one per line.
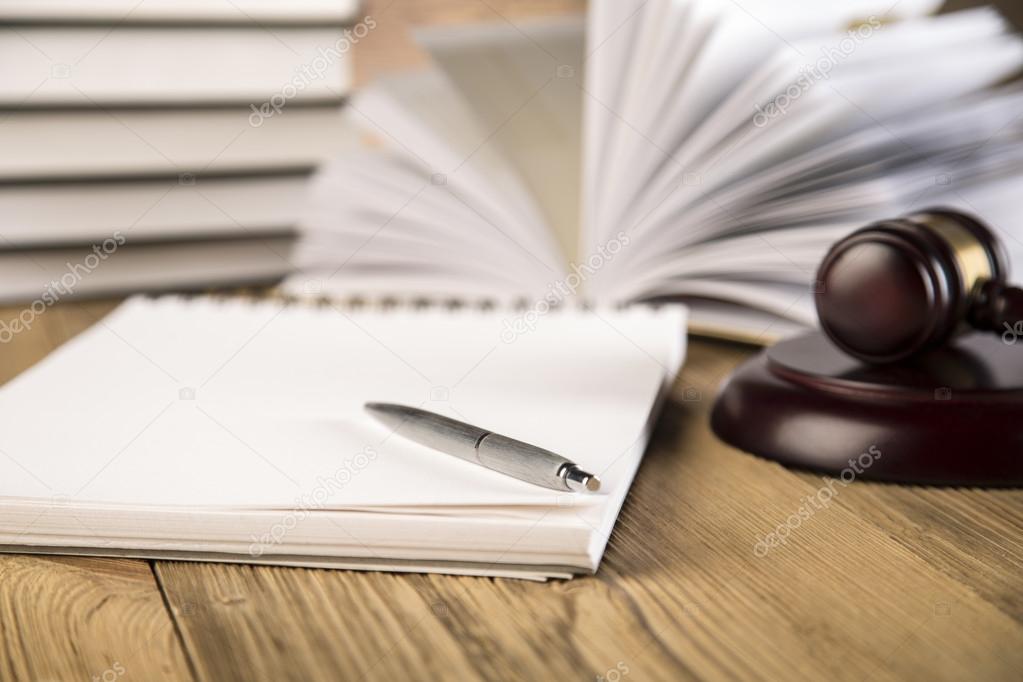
<point x="235" y="431"/>
<point x="688" y="150"/>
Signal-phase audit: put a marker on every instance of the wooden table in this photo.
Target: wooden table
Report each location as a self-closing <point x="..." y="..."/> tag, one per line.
<point x="887" y="582"/>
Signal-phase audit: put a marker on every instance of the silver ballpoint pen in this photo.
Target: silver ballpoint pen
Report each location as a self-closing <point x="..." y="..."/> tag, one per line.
<point x="506" y="455"/>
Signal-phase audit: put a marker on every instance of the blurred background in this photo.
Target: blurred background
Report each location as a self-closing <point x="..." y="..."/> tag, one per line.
<point x="116" y="181"/>
<point x="392" y="46"/>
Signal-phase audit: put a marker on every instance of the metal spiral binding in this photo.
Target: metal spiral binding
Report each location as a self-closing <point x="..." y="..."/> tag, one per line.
<point x="389" y="302"/>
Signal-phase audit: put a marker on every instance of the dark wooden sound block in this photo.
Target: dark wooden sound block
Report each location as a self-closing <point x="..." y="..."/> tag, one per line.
<point x="952" y="417"/>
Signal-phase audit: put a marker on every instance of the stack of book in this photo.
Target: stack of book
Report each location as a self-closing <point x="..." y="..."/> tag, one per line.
<point x="163" y="144"/>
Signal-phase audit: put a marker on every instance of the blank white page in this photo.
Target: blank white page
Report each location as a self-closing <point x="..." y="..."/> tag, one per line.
<point x="234" y="404"/>
<point x="523" y="81"/>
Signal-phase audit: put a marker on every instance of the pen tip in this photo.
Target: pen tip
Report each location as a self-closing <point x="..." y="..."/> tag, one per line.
<point x="579" y="481"/>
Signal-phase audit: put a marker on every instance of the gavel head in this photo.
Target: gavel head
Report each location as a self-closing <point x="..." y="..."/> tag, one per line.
<point x="899" y="287"/>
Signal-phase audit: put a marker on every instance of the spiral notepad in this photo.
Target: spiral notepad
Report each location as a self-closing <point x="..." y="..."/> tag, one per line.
<point x="231" y="430"/>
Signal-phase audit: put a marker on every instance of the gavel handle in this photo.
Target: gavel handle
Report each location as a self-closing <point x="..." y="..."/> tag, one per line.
<point x="999" y="308"/>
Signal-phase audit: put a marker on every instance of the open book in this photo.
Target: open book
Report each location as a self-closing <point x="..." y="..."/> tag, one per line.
<point x="235" y="431"/>
<point x="683" y="149"/>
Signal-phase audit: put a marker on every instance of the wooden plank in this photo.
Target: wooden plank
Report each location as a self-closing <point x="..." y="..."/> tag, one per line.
<point x="682" y="593"/>
<point x="973" y="536"/>
<point x="65" y="618"/>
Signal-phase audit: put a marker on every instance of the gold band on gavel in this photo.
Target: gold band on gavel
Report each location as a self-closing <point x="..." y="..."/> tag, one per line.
<point x="972" y="259"/>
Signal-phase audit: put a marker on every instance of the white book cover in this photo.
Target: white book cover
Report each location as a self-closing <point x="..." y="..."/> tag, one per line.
<point x="100" y="66"/>
<point x="37" y="278"/>
<point x="144" y="210"/>
<point x="180" y="11"/>
<point x="83" y="144"/>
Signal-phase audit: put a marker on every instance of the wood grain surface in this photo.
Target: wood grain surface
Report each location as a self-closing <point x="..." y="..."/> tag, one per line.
<point x="886" y="582"/>
<point x="78" y="618"/>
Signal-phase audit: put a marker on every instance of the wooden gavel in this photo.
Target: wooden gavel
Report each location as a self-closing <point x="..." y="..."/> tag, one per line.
<point x="899" y="287"/>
